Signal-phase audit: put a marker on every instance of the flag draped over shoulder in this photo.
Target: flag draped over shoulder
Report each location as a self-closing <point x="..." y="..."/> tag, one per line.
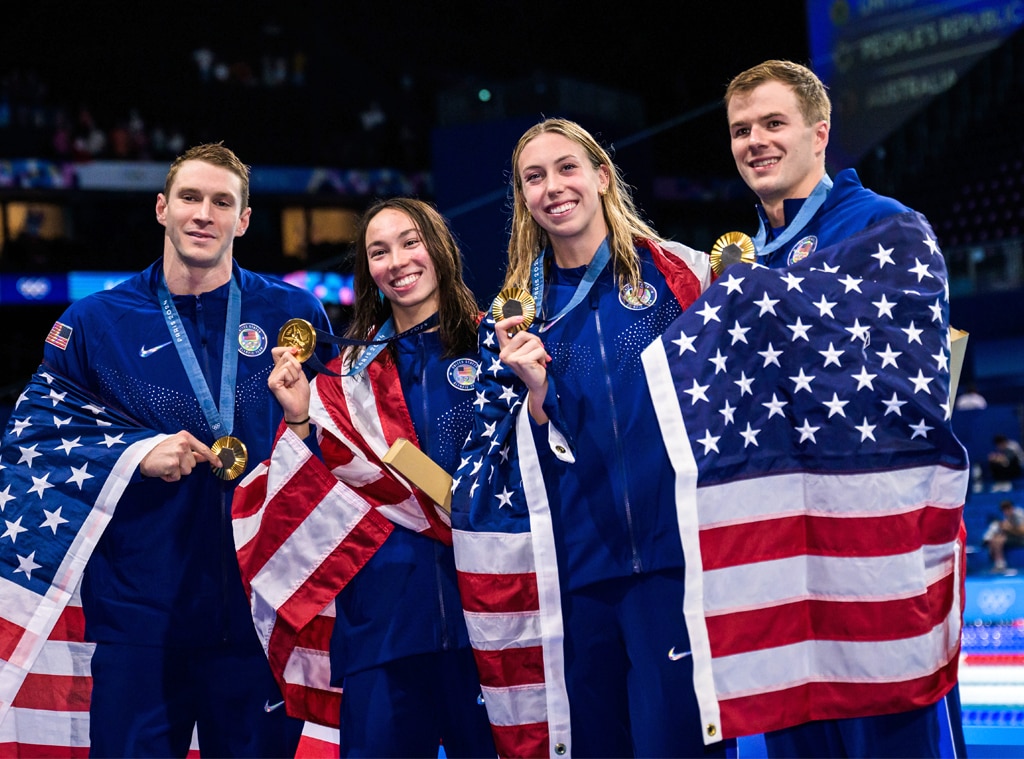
<point x="65" y="462"/>
<point x="819" y="485"/>
<point x="505" y="549"/>
<point x="304" y="526"/>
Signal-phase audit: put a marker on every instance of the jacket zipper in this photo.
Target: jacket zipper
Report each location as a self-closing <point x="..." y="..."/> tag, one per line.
<point x="424" y="446"/>
<point x="637" y="564"/>
<point x="224" y="520"/>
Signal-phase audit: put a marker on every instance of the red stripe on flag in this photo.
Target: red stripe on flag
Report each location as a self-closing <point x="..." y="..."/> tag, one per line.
<point x="55" y="693"/>
<point x="70" y="624"/>
<point x="10" y="636"/>
<point x="313" y="704"/>
<point x="316" y="634"/>
<point x="747" y="715"/>
<point x="510" y="666"/>
<point x="335" y="452"/>
<point x="742" y="631"/>
<point x="38" y="751"/>
<point x="804" y="535"/>
<point x="498" y="593"/>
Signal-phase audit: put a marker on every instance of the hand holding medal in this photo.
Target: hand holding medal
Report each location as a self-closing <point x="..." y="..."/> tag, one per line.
<point x="521" y="351"/>
<point x="177" y="455"/>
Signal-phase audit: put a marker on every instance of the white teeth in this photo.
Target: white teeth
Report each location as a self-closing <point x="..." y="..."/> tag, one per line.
<point x="766" y="162"/>
<point x="407" y="280"/>
<point x="562" y="208"/>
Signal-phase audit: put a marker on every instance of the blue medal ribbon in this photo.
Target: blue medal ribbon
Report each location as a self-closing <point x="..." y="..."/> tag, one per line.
<point x="385" y="335"/>
<point x="594" y="269"/>
<point x="807" y="211"/>
<point x="220" y="418"/>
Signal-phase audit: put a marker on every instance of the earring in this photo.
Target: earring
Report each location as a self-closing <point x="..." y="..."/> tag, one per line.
<point x="380" y="295"/>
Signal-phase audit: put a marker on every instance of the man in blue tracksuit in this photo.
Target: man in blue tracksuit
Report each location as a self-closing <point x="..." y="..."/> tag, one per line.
<point x="183" y="348"/>
<point x="779" y="119"/>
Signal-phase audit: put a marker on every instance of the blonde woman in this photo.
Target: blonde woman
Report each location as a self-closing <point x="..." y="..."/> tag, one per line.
<point x="566" y="447"/>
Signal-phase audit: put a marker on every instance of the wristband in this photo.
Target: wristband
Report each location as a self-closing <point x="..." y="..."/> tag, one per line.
<point x="301" y="421"/>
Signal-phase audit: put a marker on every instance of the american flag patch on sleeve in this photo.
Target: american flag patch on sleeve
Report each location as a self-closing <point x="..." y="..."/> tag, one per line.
<point x="59" y="335"/>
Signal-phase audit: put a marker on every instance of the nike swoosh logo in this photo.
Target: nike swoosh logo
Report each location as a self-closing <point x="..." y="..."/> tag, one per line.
<point x="145" y="352"/>
<point x="269" y="707"/>
<point x="677" y="656"/>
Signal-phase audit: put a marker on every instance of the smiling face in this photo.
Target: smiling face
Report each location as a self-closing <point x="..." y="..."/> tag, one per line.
<point x="562" y="190"/>
<point x="401" y="267"/>
<point x="777" y="153"/>
<point x="202" y="215"/>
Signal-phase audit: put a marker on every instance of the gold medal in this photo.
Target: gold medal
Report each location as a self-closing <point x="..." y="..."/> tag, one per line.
<point x="300" y="334"/>
<point x="514" y="301"/>
<point x="233" y="457"/>
<point x="731" y="248"/>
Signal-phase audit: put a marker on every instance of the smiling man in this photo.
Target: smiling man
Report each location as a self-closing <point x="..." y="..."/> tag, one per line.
<point x="153" y="395"/>
<point x="779" y="119"/>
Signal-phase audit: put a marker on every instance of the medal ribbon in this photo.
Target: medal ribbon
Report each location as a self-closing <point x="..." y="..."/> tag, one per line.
<point x="807" y="210"/>
<point x="385" y="335"/>
<point x="594" y="269"/>
<point x="220" y="418"/>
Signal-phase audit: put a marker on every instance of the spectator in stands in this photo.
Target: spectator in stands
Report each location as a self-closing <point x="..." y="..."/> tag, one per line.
<point x="89" y="141"/>
<point x="779" y="119"/>
<point x="1004" y="462"/>
<point x="1007" y="531"/>
<point x="970" y="400"/>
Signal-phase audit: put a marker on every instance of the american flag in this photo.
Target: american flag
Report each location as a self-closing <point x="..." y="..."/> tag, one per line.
<point x="59" y="335"/>
<point x="819" y="485"/>
<point x="304" y="526"/>
<point x="505" y="550"/>
<point x="64" y="463"/>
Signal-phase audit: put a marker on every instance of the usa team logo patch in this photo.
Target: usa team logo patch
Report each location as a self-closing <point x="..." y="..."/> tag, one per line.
<point x="644" y="297"/>
<point x="252" y="340"/>
<point x="59" y="335"/>
<point x="802" y="249"/>
<point x="462" y="373"/>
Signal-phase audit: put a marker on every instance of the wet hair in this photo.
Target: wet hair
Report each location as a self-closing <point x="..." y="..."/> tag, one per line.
<point x="625" y="227"/>
<point x="457" y="308"/>
<point x="812" y="95"/>
<point x="216" y="154"/>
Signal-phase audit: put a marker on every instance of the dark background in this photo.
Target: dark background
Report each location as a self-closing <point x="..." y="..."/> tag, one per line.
<point x="676" y="56"/>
